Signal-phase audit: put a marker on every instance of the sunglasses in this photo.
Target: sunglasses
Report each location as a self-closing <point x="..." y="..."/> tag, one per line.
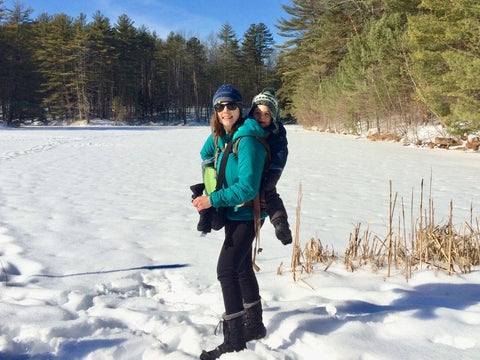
<point x="230" y="106"/>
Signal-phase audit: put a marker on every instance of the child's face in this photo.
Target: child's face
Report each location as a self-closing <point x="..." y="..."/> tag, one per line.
<point x="262" y="115"/>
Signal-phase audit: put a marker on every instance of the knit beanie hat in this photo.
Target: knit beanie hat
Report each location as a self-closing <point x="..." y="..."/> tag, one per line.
<point x="266" y="97"/>
<point x="227" y="93"/>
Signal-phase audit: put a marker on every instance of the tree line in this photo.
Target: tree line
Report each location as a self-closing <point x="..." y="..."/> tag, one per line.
<point x="56" y="67"/>
<point x="384" y="63"/>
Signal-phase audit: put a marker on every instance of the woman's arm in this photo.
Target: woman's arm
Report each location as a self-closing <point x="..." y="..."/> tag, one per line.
<point x="208" y="149"/>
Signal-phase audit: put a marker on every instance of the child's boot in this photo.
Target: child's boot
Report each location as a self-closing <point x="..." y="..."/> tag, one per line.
<point x="282" y="231"/>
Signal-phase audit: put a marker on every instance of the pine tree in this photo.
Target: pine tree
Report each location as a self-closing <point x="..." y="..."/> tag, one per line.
<point x="160" y="81"/>
<point x="17" y="66"/>
<point x="146" y="53"/>
<point x="213" y="73"/>
<point x="80" y="51"/>
<point x="319" y="31"/>
<point x="174" y="54"/>
<point x="375" y="74"/>
<point x="102" y="57"/>
<point x="54" y="53"/>
<point x="195" y="66"/>
<point x="126" y="68"/>
<point x="446" y="57"/>
<point x="229" y="56"/>
<point x="256" y="49"/>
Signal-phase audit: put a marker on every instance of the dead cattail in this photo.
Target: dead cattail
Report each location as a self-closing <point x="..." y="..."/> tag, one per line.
<point x="296" y="253"/>
<point x="435" y="246"/>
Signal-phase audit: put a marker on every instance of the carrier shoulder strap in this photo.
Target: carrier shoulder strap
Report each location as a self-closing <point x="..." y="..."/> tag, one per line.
<point x="223" y="165"/>
<point x="256" y="208"/>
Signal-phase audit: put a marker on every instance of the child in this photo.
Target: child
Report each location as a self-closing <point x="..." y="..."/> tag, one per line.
<point x="264" y="110"/>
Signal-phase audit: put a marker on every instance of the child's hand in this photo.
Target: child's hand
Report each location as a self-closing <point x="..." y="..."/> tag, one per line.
<point x="202" y="203"/>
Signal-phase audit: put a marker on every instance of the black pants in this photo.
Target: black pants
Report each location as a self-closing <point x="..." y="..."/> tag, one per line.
<point x="275" y="209"/>
<point x="234" y="268"/>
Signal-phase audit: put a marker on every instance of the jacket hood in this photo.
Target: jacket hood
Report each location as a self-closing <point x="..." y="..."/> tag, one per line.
<point x="249" y="128"/>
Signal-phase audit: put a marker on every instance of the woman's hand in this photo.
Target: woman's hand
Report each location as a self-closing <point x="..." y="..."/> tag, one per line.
<point x="202" y="203"/>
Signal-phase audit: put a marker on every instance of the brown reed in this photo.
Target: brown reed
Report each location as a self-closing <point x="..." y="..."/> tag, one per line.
<point x="435" y="246"/>
<point x="304" y="261"/>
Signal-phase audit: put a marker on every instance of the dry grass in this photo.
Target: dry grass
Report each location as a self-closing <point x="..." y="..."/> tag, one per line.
<point x="429" y="245"/>
<point x="305" y="261"/>
<point x="426" y="245"/>
<point x="384" y="137"/>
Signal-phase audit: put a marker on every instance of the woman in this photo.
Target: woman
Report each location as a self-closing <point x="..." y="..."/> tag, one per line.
<point x="242" y="320"/>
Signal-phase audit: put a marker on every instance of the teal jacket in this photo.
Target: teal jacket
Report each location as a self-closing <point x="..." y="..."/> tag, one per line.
<point x="243" y="174"/>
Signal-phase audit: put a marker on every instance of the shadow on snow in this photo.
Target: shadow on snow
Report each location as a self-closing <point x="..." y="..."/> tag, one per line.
<point x="152" y="267"/>
<point x="423" y="300"/>
<point x="71" y="350"/>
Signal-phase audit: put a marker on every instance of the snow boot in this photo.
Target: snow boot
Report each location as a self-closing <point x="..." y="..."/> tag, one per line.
<point x="282" y="231"/>
<point x="233" y="337"/>
<point x="254" y="328"/>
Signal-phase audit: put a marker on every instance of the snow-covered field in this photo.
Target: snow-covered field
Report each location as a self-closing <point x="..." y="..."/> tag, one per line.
<point x="103" y="261"/>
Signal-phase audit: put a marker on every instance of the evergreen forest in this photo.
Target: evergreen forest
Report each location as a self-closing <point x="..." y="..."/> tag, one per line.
<point x="344" y="64"/>
<point x="58" y="68"/>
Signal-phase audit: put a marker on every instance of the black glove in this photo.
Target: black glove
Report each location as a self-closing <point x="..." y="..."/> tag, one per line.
<point x="204" y="223"/>
<point x="197" y="190"/>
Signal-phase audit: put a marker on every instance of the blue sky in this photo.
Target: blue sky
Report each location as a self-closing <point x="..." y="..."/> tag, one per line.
<point x="191" y="17"/>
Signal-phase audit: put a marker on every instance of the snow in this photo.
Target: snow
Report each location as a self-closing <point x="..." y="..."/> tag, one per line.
<point x="98" y="239"/>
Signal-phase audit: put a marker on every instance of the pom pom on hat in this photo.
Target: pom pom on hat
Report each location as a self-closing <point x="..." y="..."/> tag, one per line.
<point x="227" y="93"/>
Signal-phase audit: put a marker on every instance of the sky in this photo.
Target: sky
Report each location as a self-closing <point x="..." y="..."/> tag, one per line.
<point x="198" y="18"/>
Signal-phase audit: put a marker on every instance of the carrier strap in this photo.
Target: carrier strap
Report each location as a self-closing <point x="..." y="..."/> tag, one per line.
<point x="256" y="208"/>
<point x="223" y="165"/>
<point x="256" y="202"/>
<point x="257" y="223"/>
